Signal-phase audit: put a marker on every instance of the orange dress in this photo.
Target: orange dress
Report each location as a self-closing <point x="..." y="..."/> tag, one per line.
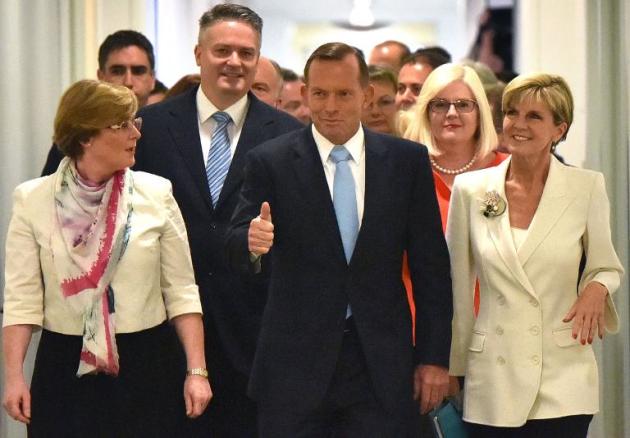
<point x="443" y="193"/>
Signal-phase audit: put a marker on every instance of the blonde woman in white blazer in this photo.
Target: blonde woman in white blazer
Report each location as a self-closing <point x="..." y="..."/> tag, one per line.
<point x="97" y="259"/>
<point x="522" y="228"/>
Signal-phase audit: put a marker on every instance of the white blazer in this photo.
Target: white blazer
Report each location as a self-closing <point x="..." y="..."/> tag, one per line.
<point x="154" y="278"/>
<point x="519" y="358"/>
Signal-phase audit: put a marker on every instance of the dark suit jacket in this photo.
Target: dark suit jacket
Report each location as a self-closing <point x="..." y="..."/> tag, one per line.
<point x="170" y="147"/>
<point x="311" y="283"/>
<point x="52" y="161"/>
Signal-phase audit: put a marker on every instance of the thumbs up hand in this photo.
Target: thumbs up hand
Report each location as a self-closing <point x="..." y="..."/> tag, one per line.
<point x="260" y="234"/>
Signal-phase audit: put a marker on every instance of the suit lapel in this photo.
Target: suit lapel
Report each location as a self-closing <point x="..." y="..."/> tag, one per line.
<point x="311" y="180"/>
<point x="499" y="229"/>
<point x="376" y="188"/>
<point x="553" y="202"/>
<point x="184" y="129"/>
<point x="255" y="123"/>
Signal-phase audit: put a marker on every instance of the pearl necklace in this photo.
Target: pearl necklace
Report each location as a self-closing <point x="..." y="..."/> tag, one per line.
<point x="446" y="171"/>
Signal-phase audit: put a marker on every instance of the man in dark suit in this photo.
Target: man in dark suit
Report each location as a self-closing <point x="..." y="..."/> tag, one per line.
<point x="335" y="356"/>
<point x="125" y="58"/>
<point x="179" y="138"/>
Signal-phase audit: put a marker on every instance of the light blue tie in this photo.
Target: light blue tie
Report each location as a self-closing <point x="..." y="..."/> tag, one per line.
<point x="345" y="203"/>
<point x="219" y="157"/>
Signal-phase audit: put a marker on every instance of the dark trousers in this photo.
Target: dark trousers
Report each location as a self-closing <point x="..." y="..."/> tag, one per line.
<point x="231" y="413"/>
<point x="574" y="426"/>
<point x="144" y="400"/>
<point x="349" y="409"/>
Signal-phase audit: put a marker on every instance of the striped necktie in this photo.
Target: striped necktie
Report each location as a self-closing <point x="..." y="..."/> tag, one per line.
<point x="219" y="157"/>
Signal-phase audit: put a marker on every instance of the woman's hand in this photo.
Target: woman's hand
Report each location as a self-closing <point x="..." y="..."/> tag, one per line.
<point x="197" y="395"/>
<point x="587" y="313"/>
<point x="17" y="399"/>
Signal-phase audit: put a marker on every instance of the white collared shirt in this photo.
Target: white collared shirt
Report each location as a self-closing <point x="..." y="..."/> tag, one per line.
<point x="356" y="147"/>
<point x="205" y="110"/>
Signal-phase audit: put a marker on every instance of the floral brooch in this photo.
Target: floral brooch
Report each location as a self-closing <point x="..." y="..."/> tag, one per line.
<point x="492" y="204"/>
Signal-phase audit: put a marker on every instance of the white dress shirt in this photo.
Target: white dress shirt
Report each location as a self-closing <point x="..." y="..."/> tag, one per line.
<point x="205" y="110"/>
<point x="356" y="147"/>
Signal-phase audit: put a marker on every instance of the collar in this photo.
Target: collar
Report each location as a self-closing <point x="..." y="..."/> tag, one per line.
<point x="205" y="108"/>
<point x="355" y="145"/>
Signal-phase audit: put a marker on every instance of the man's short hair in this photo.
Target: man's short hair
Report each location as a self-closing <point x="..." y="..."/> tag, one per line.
<point x="159" y="88"/>
<point x="433" y="56"/>
<point x="276" y="67"/>
<point x="289" y="75"/>
<point x="231" y="11"/>
<point x="336" y="52"/>
<point x="121" y="39"/>
<point x="383" y="74"/>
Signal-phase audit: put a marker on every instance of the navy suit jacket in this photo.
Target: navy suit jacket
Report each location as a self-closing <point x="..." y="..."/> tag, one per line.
<point x="311" y="283"/>
<point x="170" y="147"/>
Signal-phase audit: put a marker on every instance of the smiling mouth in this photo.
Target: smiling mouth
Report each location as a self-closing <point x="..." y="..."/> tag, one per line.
<point x="233" y="75"/>
<point x="520" y="138"/>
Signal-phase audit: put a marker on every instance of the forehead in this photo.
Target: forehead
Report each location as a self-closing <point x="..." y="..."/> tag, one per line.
<point x="130" y="55"/>
<point x="456" y="89"/>
<point x="383" y="87"/>
<point x="337" y="74"/>
<point x="265" y="70"/>
<point x="292" y="89"/>
<point x="231" y="32"/>
<point x="414" y="73"/>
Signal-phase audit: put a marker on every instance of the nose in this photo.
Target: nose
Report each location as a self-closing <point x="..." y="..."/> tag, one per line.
<point x="452" y="112"/>
<point x="331" y="103"/>
<point x="127" y="79"/>
<point x="135" y="132"/>
<point x="405" y="100"/>
<point x="234" y="58"/>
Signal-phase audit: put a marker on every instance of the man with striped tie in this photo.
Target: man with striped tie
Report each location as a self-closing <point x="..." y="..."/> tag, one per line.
<point x="199" y="141"/>
<point x="335" y="206"/>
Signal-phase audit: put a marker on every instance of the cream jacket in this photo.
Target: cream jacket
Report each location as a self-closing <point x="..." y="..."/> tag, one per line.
<point x="518" y="356"/>
<point x="154" y="278"/>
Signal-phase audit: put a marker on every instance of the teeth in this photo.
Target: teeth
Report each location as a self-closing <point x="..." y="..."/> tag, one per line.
<point x="520" y="138"/>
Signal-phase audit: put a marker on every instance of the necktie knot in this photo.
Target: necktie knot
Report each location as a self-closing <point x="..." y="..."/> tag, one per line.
<point x="339" y="154"/>
<point x="221" y="117"/>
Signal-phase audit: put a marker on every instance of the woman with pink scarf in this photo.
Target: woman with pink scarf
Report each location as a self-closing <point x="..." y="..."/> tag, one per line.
<point x="97" y="258"/>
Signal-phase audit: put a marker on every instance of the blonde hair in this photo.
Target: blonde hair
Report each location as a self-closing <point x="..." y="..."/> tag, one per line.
<point x="87" y="107"/>
<point x="551" y="90"/>
<point x="415" y="125"/>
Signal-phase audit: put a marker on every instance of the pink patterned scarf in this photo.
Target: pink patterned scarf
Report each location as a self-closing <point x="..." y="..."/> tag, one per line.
<point x="93" y="225"/>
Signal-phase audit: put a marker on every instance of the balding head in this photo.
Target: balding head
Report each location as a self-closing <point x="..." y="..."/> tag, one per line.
<point x="389" y="54"/>
<point x="268" y="81"/>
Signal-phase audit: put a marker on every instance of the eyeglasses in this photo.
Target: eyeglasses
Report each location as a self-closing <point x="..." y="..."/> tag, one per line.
<point x="441" y="106"/>
<point x="127" y="124"/>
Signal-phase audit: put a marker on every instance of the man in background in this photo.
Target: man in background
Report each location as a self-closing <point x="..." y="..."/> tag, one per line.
<point x="291" y="97"/>
<point x="199" y="140"/>
<point x="124" y="58"/>
<point x="268" y="82"/>
<point x="414" y="71"/>
<point x="389" y="54"/>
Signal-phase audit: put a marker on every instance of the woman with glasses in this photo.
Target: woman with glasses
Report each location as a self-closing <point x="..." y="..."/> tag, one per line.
<point x="522" y="229"/>
<point x="453" y="119"/>
<point x="97" y="259"/>
<point x="380" y="114"/>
